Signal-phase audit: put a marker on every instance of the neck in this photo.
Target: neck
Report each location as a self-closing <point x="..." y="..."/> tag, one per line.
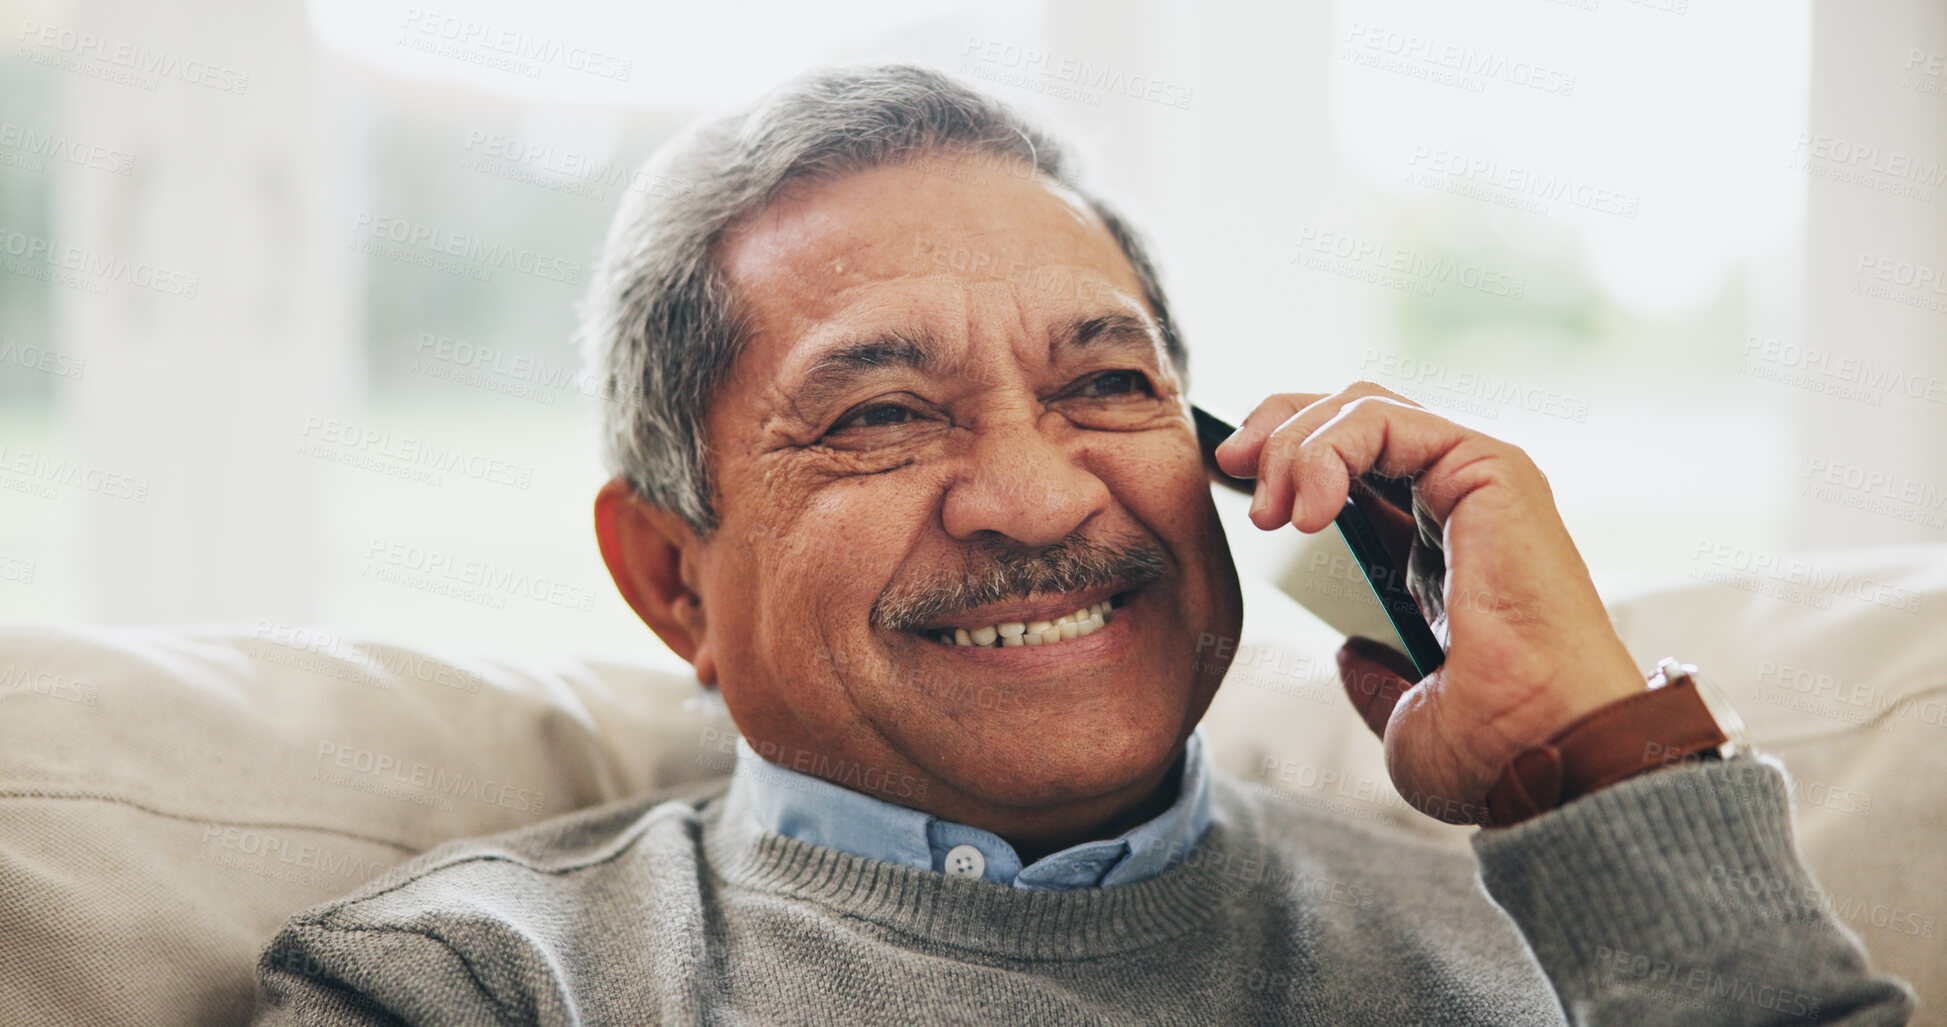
<point x="1031" y="846"/>
<point x="1033" y="831"/>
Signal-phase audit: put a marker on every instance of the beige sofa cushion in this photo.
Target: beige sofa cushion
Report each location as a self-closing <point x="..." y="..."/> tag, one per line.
<point x="168" y="798"/>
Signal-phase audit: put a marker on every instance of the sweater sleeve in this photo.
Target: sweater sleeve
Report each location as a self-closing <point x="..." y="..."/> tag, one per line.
<point x="316" y="975"/>
<point x="1679" y="897"/>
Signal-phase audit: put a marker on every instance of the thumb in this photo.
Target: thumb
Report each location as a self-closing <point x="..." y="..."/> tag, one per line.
<point x="1375" y="676"/>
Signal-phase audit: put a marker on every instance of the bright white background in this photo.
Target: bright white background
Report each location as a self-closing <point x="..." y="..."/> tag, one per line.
<point x="1610" y="231"/>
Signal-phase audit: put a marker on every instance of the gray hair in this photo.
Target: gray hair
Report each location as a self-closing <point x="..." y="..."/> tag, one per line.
<point x="660" y="327"/>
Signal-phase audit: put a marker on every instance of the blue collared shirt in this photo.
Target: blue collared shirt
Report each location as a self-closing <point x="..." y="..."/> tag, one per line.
<point x="811" y="809"/>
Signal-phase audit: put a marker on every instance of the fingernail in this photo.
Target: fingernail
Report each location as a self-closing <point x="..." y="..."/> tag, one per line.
<point x="1257" y="499"/>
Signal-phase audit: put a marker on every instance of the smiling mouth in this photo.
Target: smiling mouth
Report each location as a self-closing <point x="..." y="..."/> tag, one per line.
<point x="1080" y="623"/>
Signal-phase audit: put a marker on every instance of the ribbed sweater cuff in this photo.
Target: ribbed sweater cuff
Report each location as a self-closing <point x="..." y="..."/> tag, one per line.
<point x="1659" y="865"/>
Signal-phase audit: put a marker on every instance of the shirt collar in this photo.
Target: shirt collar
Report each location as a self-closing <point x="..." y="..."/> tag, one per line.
<point x="811" y="809"/>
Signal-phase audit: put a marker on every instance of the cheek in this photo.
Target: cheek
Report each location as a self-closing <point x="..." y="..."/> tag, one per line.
<point x="820" y="561"/>
<point x="1160" y="481"/>
<point x="1164" y="486"/>
<point x="857" y="531"/>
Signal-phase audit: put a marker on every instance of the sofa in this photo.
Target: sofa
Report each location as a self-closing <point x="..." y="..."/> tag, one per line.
<point x="168" y="796"/>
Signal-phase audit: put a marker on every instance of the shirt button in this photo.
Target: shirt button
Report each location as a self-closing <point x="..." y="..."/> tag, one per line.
<point x="965" y="861"/>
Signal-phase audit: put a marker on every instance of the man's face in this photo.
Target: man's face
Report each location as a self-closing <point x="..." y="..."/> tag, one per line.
<point x="955" y="411"/>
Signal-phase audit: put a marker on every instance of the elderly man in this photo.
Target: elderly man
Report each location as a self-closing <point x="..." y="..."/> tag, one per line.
<point x="904" y="467"/>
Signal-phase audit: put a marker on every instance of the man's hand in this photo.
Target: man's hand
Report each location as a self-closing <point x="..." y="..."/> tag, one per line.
<point x="1531" y="647"/>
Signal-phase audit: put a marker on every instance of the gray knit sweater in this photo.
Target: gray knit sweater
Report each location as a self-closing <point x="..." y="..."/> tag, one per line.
<point x="1616" y="909"/>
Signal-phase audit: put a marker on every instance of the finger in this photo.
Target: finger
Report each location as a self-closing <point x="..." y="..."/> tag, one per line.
<point x="1374" y="676"/>
<point x="1282" y="457"/>
<point x="1313" y="415"/>
<point x="1237" y="456"/>
<point x="1377" y="434"/>
<point x="1284" y="471"/>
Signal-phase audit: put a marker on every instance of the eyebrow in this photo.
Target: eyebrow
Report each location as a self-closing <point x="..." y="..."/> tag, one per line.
<point x="841" y="366"/>
<point x="1119" y="329"/>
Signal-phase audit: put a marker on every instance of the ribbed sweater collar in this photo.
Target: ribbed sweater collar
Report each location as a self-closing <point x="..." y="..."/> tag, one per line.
<point x="980" y="915"/>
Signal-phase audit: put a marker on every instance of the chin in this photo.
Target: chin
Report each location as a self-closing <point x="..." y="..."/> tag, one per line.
<point x="1075" y="759"/>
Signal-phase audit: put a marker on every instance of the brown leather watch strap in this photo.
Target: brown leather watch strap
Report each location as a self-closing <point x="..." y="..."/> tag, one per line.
<point x="1623" y="739"/>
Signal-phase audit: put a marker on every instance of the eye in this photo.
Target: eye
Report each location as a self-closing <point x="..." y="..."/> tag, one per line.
<point x="876" y="414"/>
<point x="1115" y="383"/>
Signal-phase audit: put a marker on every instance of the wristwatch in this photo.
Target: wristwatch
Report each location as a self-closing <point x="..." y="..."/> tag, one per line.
<point x="1680" y="718"/>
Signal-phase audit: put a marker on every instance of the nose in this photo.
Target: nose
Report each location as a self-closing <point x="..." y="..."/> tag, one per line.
<point x="1023" y="481"/>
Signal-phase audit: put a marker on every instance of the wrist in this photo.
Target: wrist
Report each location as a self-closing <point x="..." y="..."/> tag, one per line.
<point x="1560" y="704"/>
<point x="1668" y="721"/>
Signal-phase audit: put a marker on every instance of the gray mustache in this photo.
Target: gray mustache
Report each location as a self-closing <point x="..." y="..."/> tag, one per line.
<point x="993" y="572"/>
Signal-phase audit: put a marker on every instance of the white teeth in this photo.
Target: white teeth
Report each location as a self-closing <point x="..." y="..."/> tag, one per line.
<point x="1085" y="621"/>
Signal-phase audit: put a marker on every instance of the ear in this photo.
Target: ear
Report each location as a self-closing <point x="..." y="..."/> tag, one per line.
<point x="650" y="553"/>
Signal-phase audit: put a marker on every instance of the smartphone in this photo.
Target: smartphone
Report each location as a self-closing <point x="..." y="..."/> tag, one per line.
<point x="1378" y="528"/>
